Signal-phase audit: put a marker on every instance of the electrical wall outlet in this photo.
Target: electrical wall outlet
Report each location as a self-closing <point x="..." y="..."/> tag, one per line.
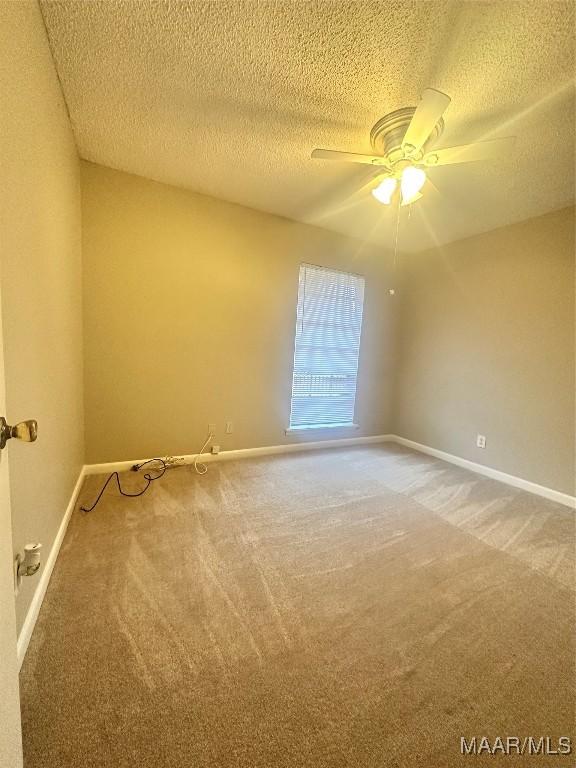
<point x="481" y="441"/>
<point x="215" y="449"/>
<point x="212" y="429"/>
<point x="229" y="427"/>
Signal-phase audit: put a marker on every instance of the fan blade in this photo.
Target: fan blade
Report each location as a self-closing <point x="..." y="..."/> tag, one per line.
<point x="347" y="157"/>
<point x="469" y="153"/>
<point x="428" y="112"/>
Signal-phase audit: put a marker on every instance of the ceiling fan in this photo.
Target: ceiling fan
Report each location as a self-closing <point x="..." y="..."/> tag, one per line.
<point x="403" y="141"/>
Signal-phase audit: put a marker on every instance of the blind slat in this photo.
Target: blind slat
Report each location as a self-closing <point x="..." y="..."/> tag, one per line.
<point x="328" y="327"/>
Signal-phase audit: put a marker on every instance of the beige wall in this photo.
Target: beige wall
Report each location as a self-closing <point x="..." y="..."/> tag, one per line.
<point x="189" y="319"/>
<point x="190" y="309"/>
<point x="486" y="346"/>
<point x="41" y="281"/>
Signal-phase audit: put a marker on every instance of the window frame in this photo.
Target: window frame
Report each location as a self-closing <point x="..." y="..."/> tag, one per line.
<point x="335" y="427"/>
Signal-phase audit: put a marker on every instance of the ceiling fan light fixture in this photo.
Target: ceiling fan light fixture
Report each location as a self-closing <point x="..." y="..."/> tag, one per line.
<point x="401" y="141"/>
<point x="384" y="191"/>
<point x="416" y="197"/>
<point x="411" y="182"/>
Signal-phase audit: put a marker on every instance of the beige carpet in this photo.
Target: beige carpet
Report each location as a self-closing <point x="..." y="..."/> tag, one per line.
<point x="362" y="607"/>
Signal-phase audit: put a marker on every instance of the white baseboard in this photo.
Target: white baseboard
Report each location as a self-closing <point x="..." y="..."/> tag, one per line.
<point x="245" y="453"/>
<point x="45" y="574"/>
<point x="269" y="450"/>
<point x="495" y="474"/>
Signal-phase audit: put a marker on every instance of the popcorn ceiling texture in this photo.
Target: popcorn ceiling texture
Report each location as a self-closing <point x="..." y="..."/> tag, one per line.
<point x="229" y="98"/>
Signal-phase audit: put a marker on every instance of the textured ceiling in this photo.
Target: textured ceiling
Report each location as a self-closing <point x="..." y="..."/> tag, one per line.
<point x="229" y="97"/>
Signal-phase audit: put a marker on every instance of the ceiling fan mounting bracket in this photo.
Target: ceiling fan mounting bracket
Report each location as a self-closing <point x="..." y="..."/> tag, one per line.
<point x="388" y="133"/>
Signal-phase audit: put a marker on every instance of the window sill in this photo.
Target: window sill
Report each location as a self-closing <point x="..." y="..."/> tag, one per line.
<point x="313" y="429"/>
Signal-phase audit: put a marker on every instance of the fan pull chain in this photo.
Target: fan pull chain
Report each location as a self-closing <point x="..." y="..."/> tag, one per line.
<point x="392" y="291"/>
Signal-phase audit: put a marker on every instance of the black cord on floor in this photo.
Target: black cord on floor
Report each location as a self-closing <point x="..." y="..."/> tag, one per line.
<point x="147" y="476"/>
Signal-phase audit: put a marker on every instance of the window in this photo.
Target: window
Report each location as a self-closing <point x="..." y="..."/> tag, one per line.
<point x="328" y="325"/>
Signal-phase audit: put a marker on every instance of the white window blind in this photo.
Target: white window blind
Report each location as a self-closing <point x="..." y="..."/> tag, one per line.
<point x="328" y="325"/>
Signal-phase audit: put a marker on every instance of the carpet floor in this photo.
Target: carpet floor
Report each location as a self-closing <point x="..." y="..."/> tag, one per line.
<point x="342" y="608"/>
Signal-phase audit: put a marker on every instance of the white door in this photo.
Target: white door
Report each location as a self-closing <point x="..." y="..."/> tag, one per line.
<point x="10" y="731"/>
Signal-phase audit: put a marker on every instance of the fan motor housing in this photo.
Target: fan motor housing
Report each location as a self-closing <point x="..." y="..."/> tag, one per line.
<point x="388" y="133"/>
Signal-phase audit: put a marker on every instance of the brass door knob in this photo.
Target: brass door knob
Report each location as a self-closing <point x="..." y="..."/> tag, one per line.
<point x="24" y="430"/>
